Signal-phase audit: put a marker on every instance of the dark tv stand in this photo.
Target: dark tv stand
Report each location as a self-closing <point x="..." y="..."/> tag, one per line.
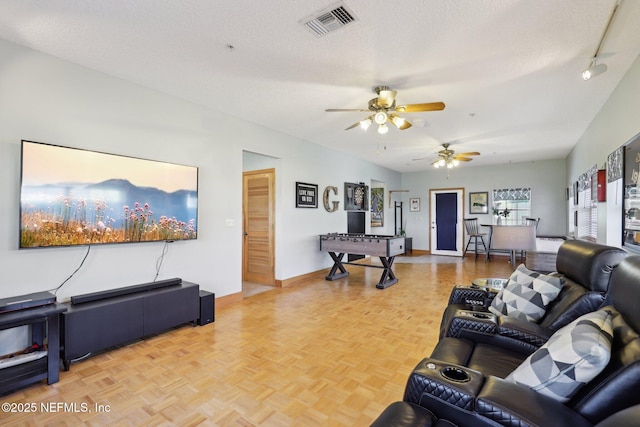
<point x="45" y="321"/>
<point x="94" y="322"/>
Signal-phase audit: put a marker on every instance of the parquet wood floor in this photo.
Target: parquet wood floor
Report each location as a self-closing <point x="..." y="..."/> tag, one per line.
<point x="317" y="354"/>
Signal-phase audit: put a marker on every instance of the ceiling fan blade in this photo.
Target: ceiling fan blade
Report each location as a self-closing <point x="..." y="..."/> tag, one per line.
<point x="471" y="153"/>
<point x="386" y="98"/>
<point x="340" y="110"/>
<point x="421" y="158"/>
<point x="462" y="159"/>
<point x="416" y="108"/>
<point x="356" y="124"/>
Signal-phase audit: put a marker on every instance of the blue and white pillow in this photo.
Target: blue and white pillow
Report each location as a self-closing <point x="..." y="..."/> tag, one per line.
<point x="526" y="295"/>
<point x="572" y="357"/>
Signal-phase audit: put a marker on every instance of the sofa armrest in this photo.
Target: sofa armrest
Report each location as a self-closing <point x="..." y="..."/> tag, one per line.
<point x="471" y="321"/>
<point x="521" y="330"/>
<point x="451" y="384"/>
<point x="509" y="404"/>
<point x="484" y="401"/>
<point x="471" y="295"/>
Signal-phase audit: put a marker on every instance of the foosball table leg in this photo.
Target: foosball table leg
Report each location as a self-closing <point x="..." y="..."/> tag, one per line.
<point x="388" y="278"/>
<point x="337" y="265"/>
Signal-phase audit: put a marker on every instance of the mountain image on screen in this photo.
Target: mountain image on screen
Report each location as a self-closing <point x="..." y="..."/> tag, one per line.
<point x="112" y="211"/>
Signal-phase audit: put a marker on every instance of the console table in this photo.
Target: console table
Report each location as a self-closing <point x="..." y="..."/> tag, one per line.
<point x="45" y="321"/>
<point x="94" y="322"/>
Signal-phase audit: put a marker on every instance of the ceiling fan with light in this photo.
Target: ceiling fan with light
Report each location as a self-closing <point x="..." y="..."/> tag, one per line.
<point x="384" y="111"/>
<point x="448" y="158"/>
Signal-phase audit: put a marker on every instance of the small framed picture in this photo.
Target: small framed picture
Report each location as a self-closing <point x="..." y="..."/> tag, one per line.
<point x="306" y="195"/>
<point x="414" y="204"/>
<point x="479" y="203"/>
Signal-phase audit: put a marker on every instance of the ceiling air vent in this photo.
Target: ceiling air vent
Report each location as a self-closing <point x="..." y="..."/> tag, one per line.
<point x="331" y="19"/>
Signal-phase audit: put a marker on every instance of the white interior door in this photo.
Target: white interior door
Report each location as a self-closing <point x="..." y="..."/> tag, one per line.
<point x="446" y="221"/>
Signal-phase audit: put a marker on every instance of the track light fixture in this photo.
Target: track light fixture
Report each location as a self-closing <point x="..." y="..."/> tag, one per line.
<point x="596" y="69"/>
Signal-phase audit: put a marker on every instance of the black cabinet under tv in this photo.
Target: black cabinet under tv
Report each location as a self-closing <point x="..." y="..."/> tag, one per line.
<point x="94" y="322"/>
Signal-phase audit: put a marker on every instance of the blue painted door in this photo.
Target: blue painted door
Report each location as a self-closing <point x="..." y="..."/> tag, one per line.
<point x="446" y="222"/>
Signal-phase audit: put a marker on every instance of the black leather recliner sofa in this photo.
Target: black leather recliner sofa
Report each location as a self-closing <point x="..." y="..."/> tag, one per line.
<point x="442" y="392"/>
<point x="585" y="269"/>
<point x="405" y="414"/>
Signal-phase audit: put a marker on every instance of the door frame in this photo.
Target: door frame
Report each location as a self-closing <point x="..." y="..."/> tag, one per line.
<point x="460" y="237"/>
<point x="271" y="227"/>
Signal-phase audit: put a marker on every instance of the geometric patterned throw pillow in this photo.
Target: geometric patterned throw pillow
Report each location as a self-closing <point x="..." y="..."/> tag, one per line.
<point x="573" y="356"/>
<point x="526" y="295"/>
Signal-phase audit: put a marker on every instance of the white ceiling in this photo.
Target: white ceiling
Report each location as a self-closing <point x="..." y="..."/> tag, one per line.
<point x="507" y="70"/>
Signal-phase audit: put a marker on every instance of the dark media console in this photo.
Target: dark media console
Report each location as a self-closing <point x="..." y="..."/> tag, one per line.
<point x="99" y="320"/>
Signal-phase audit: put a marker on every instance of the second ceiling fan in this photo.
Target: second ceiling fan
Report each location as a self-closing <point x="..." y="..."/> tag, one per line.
<point x="449" y="158"/>
<point x="384" y="111"/>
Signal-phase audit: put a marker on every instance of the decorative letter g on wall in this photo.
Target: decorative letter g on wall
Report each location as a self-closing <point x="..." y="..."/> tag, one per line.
<point x="325" y="199"/>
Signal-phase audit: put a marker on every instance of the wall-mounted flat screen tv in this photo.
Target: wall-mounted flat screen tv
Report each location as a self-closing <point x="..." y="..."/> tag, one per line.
<point x="70" y="196"/>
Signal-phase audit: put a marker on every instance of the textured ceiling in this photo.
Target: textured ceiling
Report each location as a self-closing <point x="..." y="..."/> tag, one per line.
<point x="507" y="70"/>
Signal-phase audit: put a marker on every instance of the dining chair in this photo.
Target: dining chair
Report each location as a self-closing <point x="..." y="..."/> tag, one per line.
<point x="531" y="222"/>
<point x="473" y="232"/>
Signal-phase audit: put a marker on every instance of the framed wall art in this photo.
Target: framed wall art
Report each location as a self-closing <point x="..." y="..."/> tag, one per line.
<point x="306" y="195"/>
<point x="479" y="203"/>
<point x="414" y="204"/>
<point x="377" y="207"/>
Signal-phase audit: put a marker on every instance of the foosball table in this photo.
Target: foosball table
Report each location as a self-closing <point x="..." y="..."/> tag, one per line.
<point x="384" y="247"/>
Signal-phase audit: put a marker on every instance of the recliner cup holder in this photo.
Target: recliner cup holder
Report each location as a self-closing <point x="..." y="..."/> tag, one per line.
<point x="455" y="374"/>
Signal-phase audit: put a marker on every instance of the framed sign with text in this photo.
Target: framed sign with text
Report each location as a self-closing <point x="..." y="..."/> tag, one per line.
<point x="306" y="195"/>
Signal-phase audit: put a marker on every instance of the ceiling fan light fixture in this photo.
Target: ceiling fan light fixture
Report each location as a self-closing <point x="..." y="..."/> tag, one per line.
<point x="383" y="128"/>
<point x="455" y="162"/>
<point x="380" y="117"/>
<point x="441" y="163"/>
<point x="364" y="124"/>
<point x="398" y="121"/>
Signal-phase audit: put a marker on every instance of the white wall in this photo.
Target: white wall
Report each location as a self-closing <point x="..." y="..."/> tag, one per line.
<point x="54" y="101"/>
<point x="545" y="178"/>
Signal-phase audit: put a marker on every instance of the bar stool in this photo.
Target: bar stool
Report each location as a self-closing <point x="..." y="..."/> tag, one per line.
<point x="473" y="231"/>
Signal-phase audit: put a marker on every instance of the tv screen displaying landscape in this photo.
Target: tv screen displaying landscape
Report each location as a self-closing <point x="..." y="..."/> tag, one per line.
<point x="70" y="196"/>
